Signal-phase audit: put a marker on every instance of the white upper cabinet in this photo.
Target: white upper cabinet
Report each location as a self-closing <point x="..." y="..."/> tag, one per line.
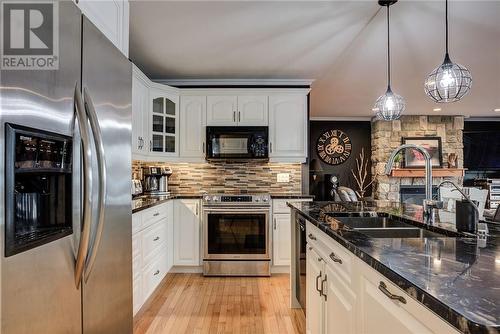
<point x="244" y="110"/>
<point x="253" y="110"/>
<point x="288" y="127"/>
<point x="221" y="110"/>
<point x="140" y="110"/>
<point x="164" y="121"/>
<point x="192" y="126"/>
<point x="111" y="17"/>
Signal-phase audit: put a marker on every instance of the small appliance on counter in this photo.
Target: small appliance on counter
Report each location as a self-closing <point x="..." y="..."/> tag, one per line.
<point x="156" y="179"/>
<point x="136" y="187"/>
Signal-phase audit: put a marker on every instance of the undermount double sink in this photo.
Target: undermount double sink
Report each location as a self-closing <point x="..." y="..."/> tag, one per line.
<point x="380" y="226"/>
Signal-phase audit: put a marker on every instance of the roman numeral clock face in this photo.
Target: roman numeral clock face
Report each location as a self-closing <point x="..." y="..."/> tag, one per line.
<point x="334" y="147"/>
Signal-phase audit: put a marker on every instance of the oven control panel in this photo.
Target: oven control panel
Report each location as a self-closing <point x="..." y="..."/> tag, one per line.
<point x="243" y="199"/>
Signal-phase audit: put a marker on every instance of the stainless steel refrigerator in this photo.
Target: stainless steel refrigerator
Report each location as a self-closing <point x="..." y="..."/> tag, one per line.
<point x="66" y="262"/>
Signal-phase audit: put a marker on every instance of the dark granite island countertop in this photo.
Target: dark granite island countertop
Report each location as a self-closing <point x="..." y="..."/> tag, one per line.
<point x="458" y="278"/>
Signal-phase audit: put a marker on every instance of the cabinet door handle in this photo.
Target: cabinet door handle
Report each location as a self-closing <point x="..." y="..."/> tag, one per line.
<point x="383" y="287"/>
<point x="156" y="214"/>
<point x="311" y="236"/>
<point x="274" y="221"/>
<point x="150" y="145"/>
<point x="197" y="209"/>
<point x="234" y="116"/>
<point x="203" y="148"/>
<point x="271" y="147"/>
<point x="156" y="272"/>
<point x="239" y="116"/>
<point x="335" y="258"/>
<point x="156" y="239"/>
<point x="317" y="282"/>
<point x="322" y="284"/>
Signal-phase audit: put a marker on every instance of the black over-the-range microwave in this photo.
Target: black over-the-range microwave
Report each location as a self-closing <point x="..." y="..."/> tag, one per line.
<point x="237" y="143"/>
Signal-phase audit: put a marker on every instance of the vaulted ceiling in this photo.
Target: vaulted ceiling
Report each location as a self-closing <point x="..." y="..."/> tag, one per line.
<point x="341" y="45"/>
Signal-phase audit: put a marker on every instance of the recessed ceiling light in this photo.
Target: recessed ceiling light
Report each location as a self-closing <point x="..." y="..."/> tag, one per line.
<point x="436" y="109"/>
<point x="496" y="110"/>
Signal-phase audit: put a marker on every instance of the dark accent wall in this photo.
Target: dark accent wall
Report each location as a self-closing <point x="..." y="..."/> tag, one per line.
<point x="473" y="126"/>
<point x="360" y="134"/>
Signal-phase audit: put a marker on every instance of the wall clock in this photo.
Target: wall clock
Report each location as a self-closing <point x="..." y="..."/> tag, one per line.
<point x="334" y="147"/>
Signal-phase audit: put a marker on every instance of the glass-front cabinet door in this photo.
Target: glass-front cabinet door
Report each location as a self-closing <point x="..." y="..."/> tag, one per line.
<point x="164" y="120"/>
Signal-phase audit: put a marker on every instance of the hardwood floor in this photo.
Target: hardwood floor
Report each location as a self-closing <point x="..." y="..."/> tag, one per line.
<point x="191" y="303"/>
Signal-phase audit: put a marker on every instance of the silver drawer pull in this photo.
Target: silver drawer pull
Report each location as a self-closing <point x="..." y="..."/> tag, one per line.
<point x="311" y="236"/>
<point x="156" y="272"/>
<point x="156" y="239"/>
<point x="335" y="258"/>
<point x="156" y="214"/>
<point x="383" y="287"/>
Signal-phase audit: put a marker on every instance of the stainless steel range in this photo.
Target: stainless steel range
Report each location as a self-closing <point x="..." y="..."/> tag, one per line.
<point x="236" y="235"/>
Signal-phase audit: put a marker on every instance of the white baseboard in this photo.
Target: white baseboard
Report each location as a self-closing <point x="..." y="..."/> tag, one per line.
<point x="280" y="270"/>
<point x="186" y="270"/>
<point x="199" y="270"/>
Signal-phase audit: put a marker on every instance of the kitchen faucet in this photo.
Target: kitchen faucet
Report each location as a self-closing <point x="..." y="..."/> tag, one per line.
<point x="429" y="203"/>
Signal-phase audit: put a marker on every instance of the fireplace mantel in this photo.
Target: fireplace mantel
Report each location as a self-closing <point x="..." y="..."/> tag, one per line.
<point x="420" y="172"/>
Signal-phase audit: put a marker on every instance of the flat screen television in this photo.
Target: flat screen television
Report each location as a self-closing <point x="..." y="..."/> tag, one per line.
<point x="482" y="150"/>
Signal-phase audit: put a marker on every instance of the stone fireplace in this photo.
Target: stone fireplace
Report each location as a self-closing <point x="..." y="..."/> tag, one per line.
<point x="386" y="136"/>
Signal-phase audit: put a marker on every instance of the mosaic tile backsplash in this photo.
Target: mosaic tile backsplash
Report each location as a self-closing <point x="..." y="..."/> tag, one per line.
<point x="224" y="177"/>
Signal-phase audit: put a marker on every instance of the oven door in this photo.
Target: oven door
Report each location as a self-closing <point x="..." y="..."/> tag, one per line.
<point x="236" y="234"/>
<point x="229" y="143"/>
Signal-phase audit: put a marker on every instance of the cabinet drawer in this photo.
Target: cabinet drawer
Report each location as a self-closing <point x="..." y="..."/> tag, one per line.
<point x="152" y="239"/>
<point x="136" y="257"/>
<point x="154" y="273"/>
<point x="410" y="315"/>
<point x="279" y="206"/>
<point x="136" y="222"/>
<point x="153" y="215"/>
<point x="334" y="254"/>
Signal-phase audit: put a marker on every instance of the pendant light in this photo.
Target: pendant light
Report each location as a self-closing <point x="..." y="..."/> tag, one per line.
<point x="450" y="81"/>
<point x="389" y="106"/>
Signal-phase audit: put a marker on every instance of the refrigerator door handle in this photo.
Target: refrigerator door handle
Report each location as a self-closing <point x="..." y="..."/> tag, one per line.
<point x="101" y="167"/>
<point x="83" y="245"/>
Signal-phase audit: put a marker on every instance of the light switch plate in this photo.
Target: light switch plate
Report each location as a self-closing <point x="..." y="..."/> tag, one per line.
<point x="283" y="178"/>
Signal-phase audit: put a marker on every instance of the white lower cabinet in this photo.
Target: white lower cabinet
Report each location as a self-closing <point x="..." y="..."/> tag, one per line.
<point x="187" y="230"/>
<point x="282" y="233"/>
<point x="346" y="296"/>
<point x="151" y="250"/>
<point x="281" y="239"/>
<point x="340" y="315"/>
<point x="314" y="300"/>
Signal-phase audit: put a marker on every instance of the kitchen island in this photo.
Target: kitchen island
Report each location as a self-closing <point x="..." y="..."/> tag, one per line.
<point x="437" y="281"/>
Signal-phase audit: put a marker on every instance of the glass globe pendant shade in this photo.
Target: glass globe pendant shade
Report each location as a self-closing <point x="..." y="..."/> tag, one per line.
<point x="448" y="82"/>
<point x="389" y="106"/>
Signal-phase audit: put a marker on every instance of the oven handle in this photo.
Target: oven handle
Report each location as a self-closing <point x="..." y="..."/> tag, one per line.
<point x="237" y="210"/>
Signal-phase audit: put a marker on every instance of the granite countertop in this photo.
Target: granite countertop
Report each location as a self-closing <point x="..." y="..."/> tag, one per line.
<point x="147" y="201"/>
<point x="458" y="278"/>
<point x="285" y="196"/>
<point x="144" y="202"/>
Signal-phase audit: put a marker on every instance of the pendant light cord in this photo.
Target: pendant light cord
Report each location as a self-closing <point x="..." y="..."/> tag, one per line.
<point x="446" y="22"/>
<point x="388" y="50"/>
